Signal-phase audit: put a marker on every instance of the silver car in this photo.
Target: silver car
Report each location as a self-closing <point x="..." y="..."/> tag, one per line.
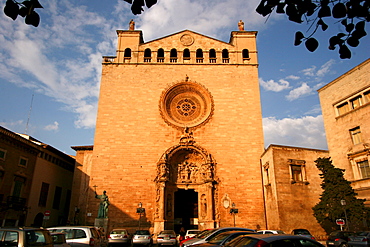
<point x="80" y="236"/>
<point x="142" y="237"/>
<point x="166" y="237"/>
<point x="119" y="236"/>
<point x="361" y="239"/>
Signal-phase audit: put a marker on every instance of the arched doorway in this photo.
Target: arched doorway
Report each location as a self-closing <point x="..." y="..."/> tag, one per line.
<point x="186" y="188"/>
<point x="186" y="209"/>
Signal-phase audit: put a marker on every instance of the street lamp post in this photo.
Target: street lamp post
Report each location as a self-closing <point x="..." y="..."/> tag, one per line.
<point x="344" y="203"/>
<point x="140" y="210"/>
<point x="233" y="211"/>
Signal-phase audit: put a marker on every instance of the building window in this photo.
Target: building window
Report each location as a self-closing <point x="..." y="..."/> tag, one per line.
<point x="343" y="108"/>
<point x="225" y="56"/>
<point x="160" y="55"/>
<point x="18" y="186"/>
<point x="23" y="161"/>
<point x="127" y="53"/>
<point x="199" y="56"/>
<point x="186" y="54"/>
<point x="367" y="96"/>
<point x="356" y="135"/>
<point x="297" y="171"/>
<point x="364" y="168"/>
<point x="266" y="168"/>
<point x="44" y="194"/>
<point x="245" y="54"/>
<point x="212" y="56"/>
<point x="173" y="56"/>
<point x="2" y="154"/>
<point x="356" y="102"/>
<point x="57" y="197"/>
<point x="147" y="55"/>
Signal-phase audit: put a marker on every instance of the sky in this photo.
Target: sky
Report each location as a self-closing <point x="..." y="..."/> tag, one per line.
<point x="50" y="75"/>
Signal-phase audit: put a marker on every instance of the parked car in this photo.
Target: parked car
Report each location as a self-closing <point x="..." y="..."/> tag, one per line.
<point x="203" y="238"/>
<point x="79" y="236"/>
<point x="119" y="236"/>
<point x="303" y="232"/>
<point x="59" y="239"/>
<point x="25" y="237"/>
<point x="202" y="233"/>
<point x="339" y="238"/>
<point x="271" y="232"/>
<point x="361" y="239"/>
<point x="273" y="240"/>
<point x="142" y="237"/>
<point x="166" y="237"/>
<point x="223" y="238"/>
<point x="191" y="233"/>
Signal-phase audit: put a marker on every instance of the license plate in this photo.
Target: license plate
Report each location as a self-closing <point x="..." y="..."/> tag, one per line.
<point x="330" y="242"/>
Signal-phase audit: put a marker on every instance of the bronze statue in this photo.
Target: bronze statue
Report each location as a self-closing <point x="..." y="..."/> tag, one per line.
<point x="103" y="206"/>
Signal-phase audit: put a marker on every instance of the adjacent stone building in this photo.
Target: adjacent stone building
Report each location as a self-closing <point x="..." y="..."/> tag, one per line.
<point x="292" y="187"/>
<point x="35" y="182"/>
<point x="179" y="132"/>
<point x="345" y="104"/>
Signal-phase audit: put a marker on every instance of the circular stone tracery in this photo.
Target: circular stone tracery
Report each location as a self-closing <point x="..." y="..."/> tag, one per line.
<point x="186" y="104"/>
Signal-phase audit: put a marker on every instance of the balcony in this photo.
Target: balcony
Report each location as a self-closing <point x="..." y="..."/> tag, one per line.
<point x="17" y="203"/>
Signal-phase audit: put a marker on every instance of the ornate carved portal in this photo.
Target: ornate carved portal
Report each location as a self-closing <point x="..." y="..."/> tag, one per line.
<point x="186" y="166"/>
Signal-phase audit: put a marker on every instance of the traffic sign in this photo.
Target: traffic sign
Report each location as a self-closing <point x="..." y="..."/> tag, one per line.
<point x="340" y="222"/>
<point x="47" y="213"/>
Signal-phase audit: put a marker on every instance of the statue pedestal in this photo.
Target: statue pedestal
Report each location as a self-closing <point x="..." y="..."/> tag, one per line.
<point x="101" y="222"/>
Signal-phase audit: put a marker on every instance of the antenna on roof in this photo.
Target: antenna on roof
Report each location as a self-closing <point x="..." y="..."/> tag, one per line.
<point x="29" y="114"/>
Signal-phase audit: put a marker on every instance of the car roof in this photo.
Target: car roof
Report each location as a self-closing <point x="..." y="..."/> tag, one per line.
<point x="273" y="237"/>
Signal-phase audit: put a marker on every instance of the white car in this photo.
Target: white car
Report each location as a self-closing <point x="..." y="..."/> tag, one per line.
<point x="191" y="233"/>
<point x="270" y="232"/>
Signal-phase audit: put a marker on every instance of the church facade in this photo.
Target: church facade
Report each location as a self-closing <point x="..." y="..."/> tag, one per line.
<point x="179" y="133"/>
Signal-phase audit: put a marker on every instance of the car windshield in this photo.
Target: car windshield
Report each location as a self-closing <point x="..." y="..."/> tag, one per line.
<point x="142" y="232"/>
<point x="206" y="234"/>
<point x="362" y="233"/>
<point x="118" y="232"/>
<point x="167" y="232"/>
<point x="37" y="238"/>
<point x="218" y="239"/>
<point x="193" y="232"/>
<point x="302" y="232"/>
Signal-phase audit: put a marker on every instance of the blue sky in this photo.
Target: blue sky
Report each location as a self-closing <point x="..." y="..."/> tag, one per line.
<point x="57" y="66"/>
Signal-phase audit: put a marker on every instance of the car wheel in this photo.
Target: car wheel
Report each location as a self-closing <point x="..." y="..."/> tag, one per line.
<point x="344" y="245"/>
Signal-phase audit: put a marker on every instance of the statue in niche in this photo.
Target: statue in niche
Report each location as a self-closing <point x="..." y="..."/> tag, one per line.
<point x="187" y="171"/>
<point x="203" y="201"/>
<point x="163" y="172"/>
<point x="207" y="172"/>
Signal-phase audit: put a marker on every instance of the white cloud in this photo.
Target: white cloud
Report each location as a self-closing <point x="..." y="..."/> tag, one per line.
<point x="306" y="132"/>
<point x="292" y="77"/>
<point x="206" y="17"/>
<point x="52" y="127"/>
<point x="309" y="71"/>
<point x="274" y="86"/>
<point x="326" y="68"/>
<point x="294" y="94"/>
<point x="321" y="72"/>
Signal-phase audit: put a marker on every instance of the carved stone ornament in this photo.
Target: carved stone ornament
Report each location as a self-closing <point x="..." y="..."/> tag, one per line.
<point x="186" y="164"/>
<point x="187" y="39"/>
<point x="186" y="104"/>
